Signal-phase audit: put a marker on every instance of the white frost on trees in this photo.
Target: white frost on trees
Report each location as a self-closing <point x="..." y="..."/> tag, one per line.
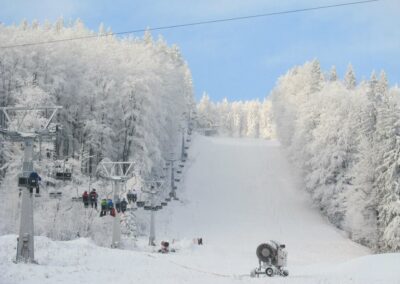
<point x="345" y="139"/>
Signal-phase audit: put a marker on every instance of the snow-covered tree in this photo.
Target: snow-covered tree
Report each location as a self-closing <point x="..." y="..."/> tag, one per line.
<point x="350" y="78"/>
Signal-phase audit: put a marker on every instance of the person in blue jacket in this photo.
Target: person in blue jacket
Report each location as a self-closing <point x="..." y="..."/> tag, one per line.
<point x="34" y="179"/>
<point x="110" y="205"/>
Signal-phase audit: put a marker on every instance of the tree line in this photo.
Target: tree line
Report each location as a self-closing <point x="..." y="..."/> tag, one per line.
<point x="123" y="98"/>
<point x="344" y="138"/>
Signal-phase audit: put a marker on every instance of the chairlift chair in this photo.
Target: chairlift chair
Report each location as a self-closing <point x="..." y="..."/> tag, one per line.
<point x="55" y="194"/>
<point x="147" y="207"/>
<point x="177" y="180"/>
<point x="178" y="171"/>
<point x="23" y="182"/>
<point x="63" y="176"/>
<point x="168" y="199"/>
<point x="181" y="165"/>
<point x="158" y="207"/>
<point x="140" y="203"/>
<point x="164" y="203"/>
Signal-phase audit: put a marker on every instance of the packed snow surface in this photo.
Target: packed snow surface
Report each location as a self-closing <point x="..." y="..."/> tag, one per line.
<point x="236" y="194"/>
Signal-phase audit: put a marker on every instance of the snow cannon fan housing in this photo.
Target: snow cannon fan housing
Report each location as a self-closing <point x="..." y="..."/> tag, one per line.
<point x="272" y="253"/>
<point x="272" y="258"/>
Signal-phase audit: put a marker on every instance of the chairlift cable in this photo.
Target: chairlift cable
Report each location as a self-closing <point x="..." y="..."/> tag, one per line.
<point x="198" y="23"/>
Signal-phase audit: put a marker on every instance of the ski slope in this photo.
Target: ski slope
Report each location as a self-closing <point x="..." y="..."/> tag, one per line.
<point x="236" y="194"/>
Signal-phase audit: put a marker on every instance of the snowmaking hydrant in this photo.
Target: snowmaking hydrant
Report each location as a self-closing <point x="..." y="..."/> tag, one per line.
<point x="272" y="258"/>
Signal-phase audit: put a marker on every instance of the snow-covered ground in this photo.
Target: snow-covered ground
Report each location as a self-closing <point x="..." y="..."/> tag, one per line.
<point x="237" y="194"/>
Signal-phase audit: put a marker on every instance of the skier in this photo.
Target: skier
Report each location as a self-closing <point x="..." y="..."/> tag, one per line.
<point x="124" y="204"/>
<point x="112" y="213"/>
<point x="110" y="205"/>
<point x="132" y="197"/>
<point x="93" y="198"/>
<point x="103" y="204"/>
<point x="33" y="180"/>
<point x="118" y="205"/>
<point x="129" y="196"/>
<point x="85" y="199"/>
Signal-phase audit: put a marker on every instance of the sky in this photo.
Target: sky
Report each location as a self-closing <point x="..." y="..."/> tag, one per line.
<point x="242" y="60"/>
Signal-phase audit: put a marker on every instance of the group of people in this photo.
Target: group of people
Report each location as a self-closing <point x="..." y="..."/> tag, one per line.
<point x="132" y="196"/>
<point x="90" y="198"/>
<point x="107" y="205"/>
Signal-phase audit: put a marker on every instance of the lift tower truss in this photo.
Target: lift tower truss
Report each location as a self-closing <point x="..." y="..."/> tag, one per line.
<point x="118" y="173"/>
<point x="16" y="130"/>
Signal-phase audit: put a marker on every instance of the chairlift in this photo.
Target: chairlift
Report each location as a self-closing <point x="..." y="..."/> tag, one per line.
<point x="50" y="183"/>
<point x="183" y="160"/>
<point x="181" y="165"/>
<point x="164" y="203"/>
<point x="188" y="140"/>
<point x="56" y="194"/>
<point x="23" y="182"/>
<point x="140" y="203"/>
<point x="186" y="148"/>
<point x="175" y="187"/>
<point x="63" y="176"/>
<point x="178" y="171"/>
<point x="177" y="180"/>
<point x="147" y="207"/>
<point x="168" y="199"/>
<point x="158" y="207"/>
<point x="63" y="170"/>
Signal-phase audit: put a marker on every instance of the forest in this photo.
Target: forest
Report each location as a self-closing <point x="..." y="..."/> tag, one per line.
<point x="123" y="99"/>
<point x="344" y="137"/>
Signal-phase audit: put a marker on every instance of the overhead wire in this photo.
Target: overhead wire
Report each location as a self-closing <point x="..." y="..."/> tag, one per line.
<point x="193" y="24"/>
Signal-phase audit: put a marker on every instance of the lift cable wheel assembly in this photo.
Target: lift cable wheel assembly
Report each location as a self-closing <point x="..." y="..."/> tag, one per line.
<point x="272" y="259"/>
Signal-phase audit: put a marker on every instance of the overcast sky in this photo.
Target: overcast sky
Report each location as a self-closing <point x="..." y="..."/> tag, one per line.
<point x="242" y="60"/>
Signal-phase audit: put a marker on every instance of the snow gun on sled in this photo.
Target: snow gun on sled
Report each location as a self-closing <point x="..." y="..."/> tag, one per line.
<point x="272" y="258"/>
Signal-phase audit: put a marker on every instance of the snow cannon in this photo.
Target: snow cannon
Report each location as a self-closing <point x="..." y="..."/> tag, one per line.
<point x="272" y="258"/>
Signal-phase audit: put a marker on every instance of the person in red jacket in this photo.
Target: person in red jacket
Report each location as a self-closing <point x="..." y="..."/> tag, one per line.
<point x="85" y="199"/>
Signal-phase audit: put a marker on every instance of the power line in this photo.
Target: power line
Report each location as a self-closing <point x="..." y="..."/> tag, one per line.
<point x="193" y="24"/>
